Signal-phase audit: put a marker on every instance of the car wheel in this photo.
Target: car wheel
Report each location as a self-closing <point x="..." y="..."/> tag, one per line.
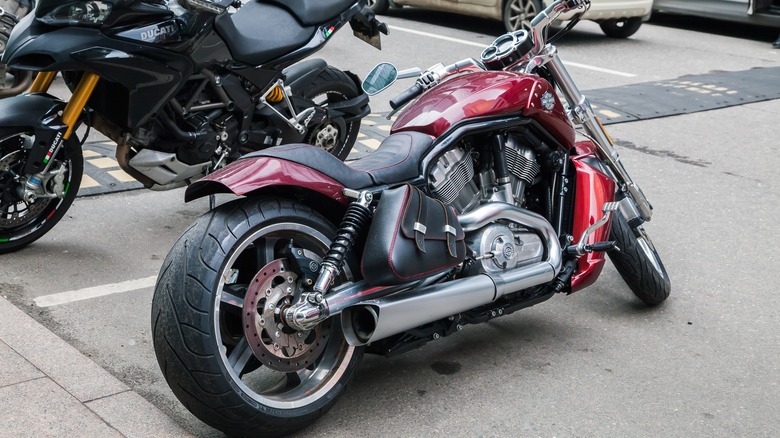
<point x="379" y="6"/>
<point x="621" y="28"/>
<point x="519" y="13"/>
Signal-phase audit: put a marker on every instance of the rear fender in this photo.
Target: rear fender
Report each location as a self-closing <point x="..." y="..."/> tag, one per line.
<point x="593" y="188"/>
<point x="38" y="112"/>
<point x="250" y="175"/>
<point x="298" y="75"/>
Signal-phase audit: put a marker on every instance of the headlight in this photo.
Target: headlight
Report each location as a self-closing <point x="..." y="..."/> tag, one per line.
<point x="78" y="13"/>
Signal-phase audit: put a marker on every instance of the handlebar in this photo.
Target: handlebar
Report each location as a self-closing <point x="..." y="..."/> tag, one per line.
<point x="435" y="74"/>
<point x="406" y="97"/>
<point x="547" y="16"/>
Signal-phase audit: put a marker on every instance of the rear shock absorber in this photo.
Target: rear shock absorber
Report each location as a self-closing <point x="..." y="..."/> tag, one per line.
<point x="354" y="220"/>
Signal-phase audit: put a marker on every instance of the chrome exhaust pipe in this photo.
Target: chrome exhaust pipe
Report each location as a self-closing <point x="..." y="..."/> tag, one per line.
<point x="373" y="320"/>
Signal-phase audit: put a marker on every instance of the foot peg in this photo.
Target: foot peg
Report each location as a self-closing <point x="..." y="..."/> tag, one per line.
<point x="609" y="245"/>
<point x="581" y="248"/>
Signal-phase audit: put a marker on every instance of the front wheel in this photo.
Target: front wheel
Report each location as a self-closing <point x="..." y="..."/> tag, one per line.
<point x="220" y="341"/>
<point x="638" y="262"/>
<point x="336" y="135"/>
<point x="30" y="205"/>
<point x="621" y="28"/>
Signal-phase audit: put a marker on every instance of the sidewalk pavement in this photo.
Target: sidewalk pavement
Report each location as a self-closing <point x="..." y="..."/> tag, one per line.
<point x="49" y="389"/>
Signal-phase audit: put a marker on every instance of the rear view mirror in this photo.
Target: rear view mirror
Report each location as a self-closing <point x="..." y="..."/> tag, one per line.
<point x="381" y="77"/>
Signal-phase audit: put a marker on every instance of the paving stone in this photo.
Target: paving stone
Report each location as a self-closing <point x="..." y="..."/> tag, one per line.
<point x="41" y="408"/>
<point x="134" y="416"/>
<point x="76" y="373"/>
<point x="14" y="369"/>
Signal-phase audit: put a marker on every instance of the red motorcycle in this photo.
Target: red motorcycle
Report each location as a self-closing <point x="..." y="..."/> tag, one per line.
<point x="480" y="203"/>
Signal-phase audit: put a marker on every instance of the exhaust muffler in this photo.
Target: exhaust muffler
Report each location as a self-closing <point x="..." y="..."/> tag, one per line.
<point x="373" y="320"/>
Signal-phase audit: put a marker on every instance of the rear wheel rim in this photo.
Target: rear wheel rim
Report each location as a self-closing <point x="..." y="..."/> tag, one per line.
<point x="273" y="388"/>
<point x="331" y="135"/>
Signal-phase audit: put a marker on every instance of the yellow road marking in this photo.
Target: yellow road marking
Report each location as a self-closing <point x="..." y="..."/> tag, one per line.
<point x="121" y="175"/>
<point x="87" y="182"/>
<point x="608" y="113"/>
<point x="699" y="90"/>
<point x="104" y="163"/>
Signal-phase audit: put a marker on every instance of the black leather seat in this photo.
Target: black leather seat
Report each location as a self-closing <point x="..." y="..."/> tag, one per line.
<point x="260" y="32"/>
<point x="395" y="160"/>
<point x="314" y="12"/>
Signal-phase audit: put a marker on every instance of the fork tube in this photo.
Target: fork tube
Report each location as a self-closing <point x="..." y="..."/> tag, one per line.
<point x="42" y="81"/>
<point x="583" y="113"/>
<point x="70" y="115"/>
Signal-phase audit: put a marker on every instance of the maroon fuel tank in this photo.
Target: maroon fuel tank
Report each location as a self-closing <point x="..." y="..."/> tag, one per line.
<point x="487" y="93"/>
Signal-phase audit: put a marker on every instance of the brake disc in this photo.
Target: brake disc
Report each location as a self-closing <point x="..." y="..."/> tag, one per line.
<point x="272" y="341"/>
<point x="13" y="210"/>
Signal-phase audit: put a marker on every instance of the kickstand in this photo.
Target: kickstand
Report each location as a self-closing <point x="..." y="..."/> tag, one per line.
<point x="212" y="201"/>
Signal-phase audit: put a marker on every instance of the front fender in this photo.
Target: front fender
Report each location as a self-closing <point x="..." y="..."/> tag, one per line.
<point x="38" y="112"/>
<point x="594" y="188"/>
<point x="249" y="175"/>
<point x="28" y="110"/>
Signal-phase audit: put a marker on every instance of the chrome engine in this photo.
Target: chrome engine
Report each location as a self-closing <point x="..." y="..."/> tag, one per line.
<point x="496" y="247"/>
<point x="521" y="161"/>
<point x="452" y="177"/>
<point x="452" y="180"/>
<point x="502" y="248"/>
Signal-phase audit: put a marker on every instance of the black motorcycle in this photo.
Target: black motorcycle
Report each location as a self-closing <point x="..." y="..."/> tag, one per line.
<point x="183" y="88"/>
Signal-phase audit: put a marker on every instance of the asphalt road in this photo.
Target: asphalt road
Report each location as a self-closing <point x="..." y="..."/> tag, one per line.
<point x="593" y="364"/>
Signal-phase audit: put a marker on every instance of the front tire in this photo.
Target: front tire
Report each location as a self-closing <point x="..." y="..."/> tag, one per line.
<point x="621" y="28"/>
<point x="638" y="262"/>
<point x="212" y="306"/>
<point x="337" y="135"/>
<point x="22" y="222"/>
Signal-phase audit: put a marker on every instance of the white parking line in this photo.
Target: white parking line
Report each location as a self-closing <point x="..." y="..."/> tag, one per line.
<point x="482" y="45"/>
<point x="438" y="37"/>
<point x="599" y="69"/>
<point x="94" y="292"/>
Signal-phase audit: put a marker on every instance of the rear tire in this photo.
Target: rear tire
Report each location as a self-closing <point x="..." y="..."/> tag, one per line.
<point x="214" y="276"/>
<point x="638" y="262"/>
<point x="22" y="223"/>
<point x="336" y="136"/>
<point x="621" y="28"/>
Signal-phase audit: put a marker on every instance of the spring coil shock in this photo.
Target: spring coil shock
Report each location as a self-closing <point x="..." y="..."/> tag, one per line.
<point x="354" y="220"/>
